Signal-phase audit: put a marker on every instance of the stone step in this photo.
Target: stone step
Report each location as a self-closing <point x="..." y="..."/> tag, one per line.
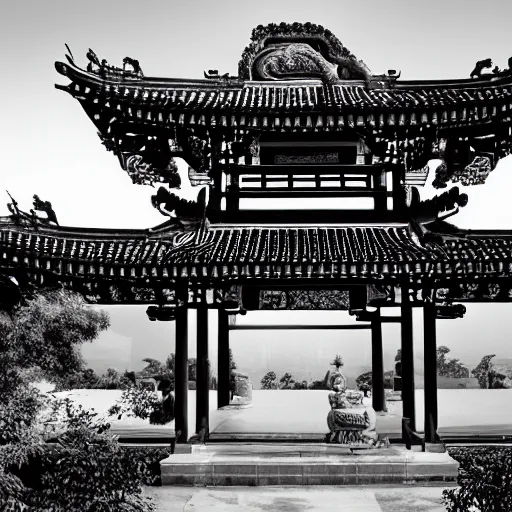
<point x="256" y="465"/>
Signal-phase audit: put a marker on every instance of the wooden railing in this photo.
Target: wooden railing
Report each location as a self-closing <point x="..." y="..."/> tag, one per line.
<point x="303" y="181"/>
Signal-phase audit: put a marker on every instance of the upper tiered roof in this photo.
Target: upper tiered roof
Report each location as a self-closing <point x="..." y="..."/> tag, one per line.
<point x="295" y="78"/>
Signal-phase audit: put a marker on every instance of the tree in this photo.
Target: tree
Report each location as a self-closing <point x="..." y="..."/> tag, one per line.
<point x="286" y="381"/>
<point x="88" y="379"/>
<point x="46" y="332"/>
<point x="87" y="469"/>
<point x="449" y="367"/>
<point x="153" y="369"/>
<point x="483" y="371"/>
<point x="269" y="381"/>
<point x="337" y="362"/>
<point x="488" y="377"/>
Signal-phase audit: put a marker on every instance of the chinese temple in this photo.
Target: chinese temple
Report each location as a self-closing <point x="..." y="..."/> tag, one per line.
<point x="309" y="170"/>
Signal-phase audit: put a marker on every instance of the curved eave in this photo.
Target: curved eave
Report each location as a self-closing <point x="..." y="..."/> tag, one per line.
<point x="79" y="75"/>
<point x="298" y="106"/>
<point x="72" y="232"/>
<point x="248" y="252"/>
<point x="73" y="71"/>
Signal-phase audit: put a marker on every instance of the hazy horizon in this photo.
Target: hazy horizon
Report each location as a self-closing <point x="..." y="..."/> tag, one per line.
<point x="304" y="354"/>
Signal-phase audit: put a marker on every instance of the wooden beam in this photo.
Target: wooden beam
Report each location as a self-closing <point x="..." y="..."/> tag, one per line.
<point x="223" y="384"/>
<point x="408" y="388"/>
<point x="202" y="375"/>
<point x="391" y="319"/>
<point x="378" y="395"/>
<point x="181" y="376"/>
<point x="295" y="217"/>
<point x="298" y="169"/>
<point x="304" y="192"/>
<point x="283" y="327"/>
<point x="430" y="368"/>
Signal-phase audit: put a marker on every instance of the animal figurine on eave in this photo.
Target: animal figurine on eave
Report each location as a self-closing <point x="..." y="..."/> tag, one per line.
<point x="480" y="66"/>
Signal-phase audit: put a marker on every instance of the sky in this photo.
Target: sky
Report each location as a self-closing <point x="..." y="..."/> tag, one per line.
<point x="50" y="147"/>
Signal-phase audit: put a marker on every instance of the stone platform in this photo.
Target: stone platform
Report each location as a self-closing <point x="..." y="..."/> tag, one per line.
<point x="223" y="464"/>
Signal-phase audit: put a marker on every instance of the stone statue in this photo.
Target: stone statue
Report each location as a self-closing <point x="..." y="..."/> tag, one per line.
<point x="349" y="421"/>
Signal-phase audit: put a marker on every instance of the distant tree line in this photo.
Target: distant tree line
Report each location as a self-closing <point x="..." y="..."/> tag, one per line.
<point x="487" y="374"/>
<point x="162" y="372"/>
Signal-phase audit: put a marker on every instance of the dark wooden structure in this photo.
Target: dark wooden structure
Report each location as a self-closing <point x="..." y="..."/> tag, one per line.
<point x="313" y="166"/>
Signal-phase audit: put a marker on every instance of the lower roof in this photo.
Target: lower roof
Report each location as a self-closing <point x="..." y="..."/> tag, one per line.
<point x="233" y="252"/>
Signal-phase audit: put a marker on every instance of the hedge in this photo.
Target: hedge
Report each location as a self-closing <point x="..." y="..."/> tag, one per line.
<point x="484" y="480"/>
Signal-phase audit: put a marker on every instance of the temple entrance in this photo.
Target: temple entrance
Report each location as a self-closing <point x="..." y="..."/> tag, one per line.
<point x="255" y="320"/>
<point x="290" y="356"/>
<point x="286" y="355"/>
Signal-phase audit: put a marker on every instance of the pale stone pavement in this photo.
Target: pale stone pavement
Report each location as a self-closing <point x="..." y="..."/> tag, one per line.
<point x="298" y="499"/>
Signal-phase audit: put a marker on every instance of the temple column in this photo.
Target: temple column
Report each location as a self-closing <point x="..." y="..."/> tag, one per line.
<point x="378" y="395"/>
<point x="203" y="374"/>
<point x="408" y="398"/>
<point x="430" y="361"/>
<point x="223" y="388"/>
<point x="181" y="375"/>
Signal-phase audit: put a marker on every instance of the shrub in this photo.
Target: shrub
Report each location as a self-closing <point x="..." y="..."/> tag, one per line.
<point x="485" y="480"/>
<point x="85" y="470"/>
<point x="317" y="384"/>
<point x="365" y="381"/>
<point x="135" y="402"/>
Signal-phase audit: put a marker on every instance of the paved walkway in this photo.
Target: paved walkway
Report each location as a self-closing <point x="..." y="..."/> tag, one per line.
<point x="298" y="499"/>
<point x="461" y="412"/>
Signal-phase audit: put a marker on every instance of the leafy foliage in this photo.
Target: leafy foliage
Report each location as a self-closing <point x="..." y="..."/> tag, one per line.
<point x="317" y="384"/>
<point x="269" y="381"/>
<point x="365" y="381"/>
<point x="488" y="377"/>
<point x="287" y="381"/>
<point x="337" y="362"/>
<point x="88" y="379"/>
<point x="87" y="469"/>
<point x="49" y="330"/>
<point x="449" y="367"/>
<point x="484" y="481"/>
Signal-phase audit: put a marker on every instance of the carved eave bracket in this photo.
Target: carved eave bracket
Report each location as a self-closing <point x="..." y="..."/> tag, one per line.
<point x="439" y="207"/>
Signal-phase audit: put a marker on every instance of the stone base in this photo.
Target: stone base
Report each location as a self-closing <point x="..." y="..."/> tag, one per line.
<point x="296" y="464"/>
<point x="435" y="447"/>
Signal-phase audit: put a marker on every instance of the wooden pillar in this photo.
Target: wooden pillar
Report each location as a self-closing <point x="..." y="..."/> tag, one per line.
<point x="430" y="361"/>
<point x="202" y="374"/>
<point x="378" y="396"/>
<point x="181" y="375"/>
<point x="408" y="398"/>
<point x="223" y="387"/>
